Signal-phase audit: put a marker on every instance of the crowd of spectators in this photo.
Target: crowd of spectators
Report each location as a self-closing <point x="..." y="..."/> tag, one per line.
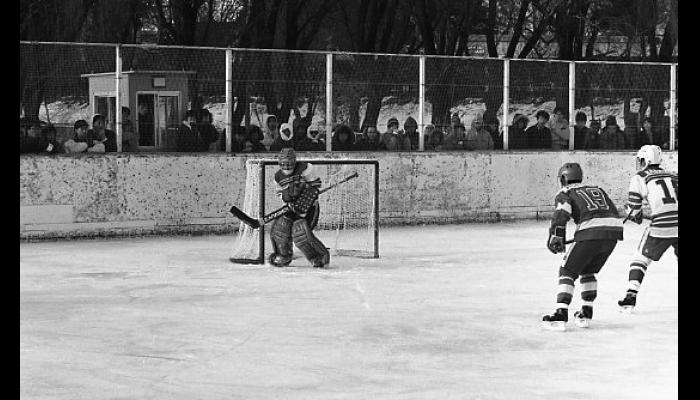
<point x="196" y="133"/>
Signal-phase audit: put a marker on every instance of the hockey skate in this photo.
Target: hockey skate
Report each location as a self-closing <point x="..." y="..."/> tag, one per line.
<point x="627" y="304"/>
<point x="556" y="321"/>
<point x="582" y="318"/>
<point x="279" y="260"/>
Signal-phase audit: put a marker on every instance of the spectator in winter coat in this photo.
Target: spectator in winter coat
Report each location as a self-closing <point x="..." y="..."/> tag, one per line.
<point x="100" y="132"/>
<point x="130" y="138"/>
<point x="312" y="141"/>
<point x="559" y="129"/>
<point x="48" y="136"/>
<point x="285" y="138"/>
<point x="539" y="136"/>
<point x="646" y="134"/>
<point x="631" y="131"/>
<point x="255" y="137"/>
<point x="491" y="125"/>
<point x="207" y="132"/>
<point x="30" y="139"/>
<point x="187" y="135"/>
<point x="456" y="138"/>
<point x="239" y="140"/>
<point x="434" y="141"/>
<point x="272" y="132"/>
<point x="369" y="140"/>
<point x="581" y="131"/>
<point x="343" y="139"/>
<point x="410" y="127"/>
<point x="593" y="139"/>
<point x="612" y="137"/>
<point x="83" y="140"/>
<point x="393" y="139"/>
<point x="517" y="139"/>
<point x="478" y="138"/>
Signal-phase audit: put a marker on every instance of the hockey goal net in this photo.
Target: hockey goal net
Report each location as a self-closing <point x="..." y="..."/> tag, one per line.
<point x="348" y="221"/>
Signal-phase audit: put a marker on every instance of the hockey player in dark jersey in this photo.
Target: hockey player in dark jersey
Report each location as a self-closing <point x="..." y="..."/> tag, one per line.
<point x="298" y="186"/>
<point x="597" y="232"/>
<point x="659" y="188"/>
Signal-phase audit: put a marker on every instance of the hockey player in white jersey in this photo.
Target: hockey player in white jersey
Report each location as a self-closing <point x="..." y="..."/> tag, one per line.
<point x="659" y="188"/>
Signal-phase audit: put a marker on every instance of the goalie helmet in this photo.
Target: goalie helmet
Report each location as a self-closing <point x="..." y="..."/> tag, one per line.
<point x="570" y="173"/>
<point x="647" y="155"/>
<point x="287" y="159"/>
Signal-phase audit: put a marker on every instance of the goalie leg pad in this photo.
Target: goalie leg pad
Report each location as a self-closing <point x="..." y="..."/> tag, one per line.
<point x="309" y="244"/>
<point x="281" y="237"/>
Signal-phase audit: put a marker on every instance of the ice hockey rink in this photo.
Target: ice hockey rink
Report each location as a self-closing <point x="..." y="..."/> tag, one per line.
<point x="446" y="312"/>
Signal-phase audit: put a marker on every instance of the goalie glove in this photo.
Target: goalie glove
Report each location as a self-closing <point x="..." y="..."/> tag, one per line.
<point x="555" y="243"/>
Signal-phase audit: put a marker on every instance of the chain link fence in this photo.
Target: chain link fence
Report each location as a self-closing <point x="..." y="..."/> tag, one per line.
<point x="195" y="99"/>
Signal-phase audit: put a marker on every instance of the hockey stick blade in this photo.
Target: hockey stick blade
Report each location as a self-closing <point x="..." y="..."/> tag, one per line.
<point x="245" y="218"/>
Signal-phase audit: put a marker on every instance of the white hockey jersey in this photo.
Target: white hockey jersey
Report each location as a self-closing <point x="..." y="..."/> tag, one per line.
<point x="660" y="189"/>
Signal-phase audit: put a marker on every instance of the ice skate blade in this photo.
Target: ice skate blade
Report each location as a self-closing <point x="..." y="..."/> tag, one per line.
<point x="557" y="326"/>
<point x="582" y="323"/>
<point x="627" y="309"/>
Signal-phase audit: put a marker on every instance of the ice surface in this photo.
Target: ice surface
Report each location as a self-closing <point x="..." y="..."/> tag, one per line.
<point x="447" y="312"/>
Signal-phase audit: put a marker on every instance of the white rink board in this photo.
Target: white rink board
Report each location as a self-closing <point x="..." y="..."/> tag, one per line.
<point x="446" y="312"/>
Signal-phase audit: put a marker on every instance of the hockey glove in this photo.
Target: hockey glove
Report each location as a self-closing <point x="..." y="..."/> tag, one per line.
<point x="637" y="218"/>
<point x="557" y="235"/>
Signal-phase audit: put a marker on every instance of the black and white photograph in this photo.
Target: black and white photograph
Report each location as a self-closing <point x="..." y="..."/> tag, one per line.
<point x="349" y="199"/>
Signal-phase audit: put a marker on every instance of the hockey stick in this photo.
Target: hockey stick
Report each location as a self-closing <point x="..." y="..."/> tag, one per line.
<point x="255" y="223"/>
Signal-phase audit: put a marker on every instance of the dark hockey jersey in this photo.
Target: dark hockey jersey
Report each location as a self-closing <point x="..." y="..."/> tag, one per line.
<point x="289" y="186"/>
<point x="595" y="215"/>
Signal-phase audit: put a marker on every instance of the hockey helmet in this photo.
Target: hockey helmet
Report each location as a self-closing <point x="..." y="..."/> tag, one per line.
<point x="569" y="173"/>
<point x="649" y="154"/>
<point x="287" y="159"/>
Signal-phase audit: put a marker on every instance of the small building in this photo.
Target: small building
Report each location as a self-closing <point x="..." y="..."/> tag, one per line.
<point x="157" y="101"/>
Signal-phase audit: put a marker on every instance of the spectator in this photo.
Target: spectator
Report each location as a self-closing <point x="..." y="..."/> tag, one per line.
<point x="369" y="140"/>
<point x="300" y="128"/>
<point x="434" y="141"/>
<point x="631" y="130"/>
<point x="410" y="127"/>
<point x="491" y="125"/>
<point x="343" y="139"/>
<point x="312" y="141"/>
<point x="611" y="138"/>
<point x="30" y="140"/>
<point x="393" y="139"/>
<point x="456" y="138"/>
<point x="83" y="140"/>
<point x="593" y="139"/>
<point x="101" y="133"/>
<point x="130" y="138"/>
<point x="455" y="122"/>
<point x="539" y="136"/>
<point x="559" y="129"/>
<point x="207" y="132"/>
<point x="429" y="129"/>
<point x="646" y="134"/>
<point x="478" y="138"/>
<point x="517" y="139"/>
<point x="239" y="140"/>
<point x="187" y="135"/>
<point x="284" y="139"/>
<point x="581" y="131"/>
<point x="664" y="133"/>
<point x="272" y="131"/>
<point x="255" y="137"/>
<point x="48" y="136"/>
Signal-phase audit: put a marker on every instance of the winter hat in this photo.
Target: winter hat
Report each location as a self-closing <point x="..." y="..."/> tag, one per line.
<point x="392" y="121"/>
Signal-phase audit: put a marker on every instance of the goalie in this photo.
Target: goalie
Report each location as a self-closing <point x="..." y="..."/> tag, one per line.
<point x="298" y="186"/>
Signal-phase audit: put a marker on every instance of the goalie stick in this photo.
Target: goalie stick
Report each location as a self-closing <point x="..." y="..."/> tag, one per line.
<point x="255" y="223"/>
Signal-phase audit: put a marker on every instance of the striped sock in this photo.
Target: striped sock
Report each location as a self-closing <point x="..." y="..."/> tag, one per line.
<point x="566" y="288"/>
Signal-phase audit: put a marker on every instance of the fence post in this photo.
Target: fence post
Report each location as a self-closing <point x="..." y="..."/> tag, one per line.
<point x="118" y="100"/>
<point x="421" y="102"/>
<point x="229" y="99"/>
<point x="672" y="109"/>
<point x="506" y="101"/>
<point x="572" y="100"/>
<point x="329" y="100"/>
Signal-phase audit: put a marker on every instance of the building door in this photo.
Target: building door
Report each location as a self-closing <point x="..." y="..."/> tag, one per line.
<point x="157" y="119"/>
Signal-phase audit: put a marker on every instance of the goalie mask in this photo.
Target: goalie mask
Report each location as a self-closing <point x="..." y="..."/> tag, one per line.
<point x="570" y="173"/>
<point x="647" y="155"/>
<point x="287" y="160"/>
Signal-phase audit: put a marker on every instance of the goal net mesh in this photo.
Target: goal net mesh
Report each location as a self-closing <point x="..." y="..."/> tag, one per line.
<point x="347" y="222"/>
